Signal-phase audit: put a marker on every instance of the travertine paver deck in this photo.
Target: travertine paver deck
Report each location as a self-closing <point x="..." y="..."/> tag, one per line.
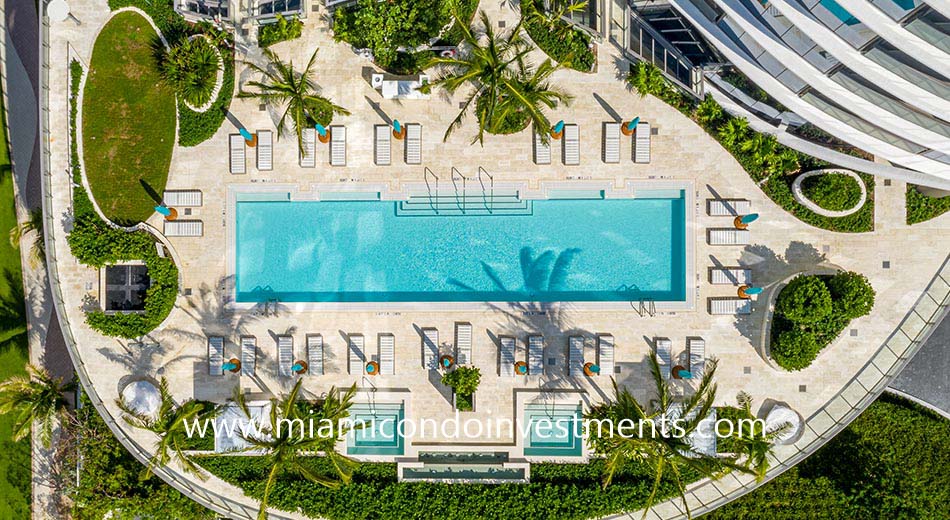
<point x="781" y="246"/>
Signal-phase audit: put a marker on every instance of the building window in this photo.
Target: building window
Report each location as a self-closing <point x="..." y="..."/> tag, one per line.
<point x="212" y="8"/>
<point x="278" y="6"/>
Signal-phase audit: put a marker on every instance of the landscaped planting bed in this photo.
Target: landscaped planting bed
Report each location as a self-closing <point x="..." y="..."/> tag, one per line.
<point x="892" y="462"/>
<point x="811" y="311"/>
<point x="556" y="491"/>
<point x="566" y="44"/>
<point x="921" y="208"/>
<point x="128" y="121"/>
<point x="832" y="191"/>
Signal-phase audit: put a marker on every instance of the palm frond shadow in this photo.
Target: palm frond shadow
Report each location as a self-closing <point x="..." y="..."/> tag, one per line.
<point x="13" y="315"/>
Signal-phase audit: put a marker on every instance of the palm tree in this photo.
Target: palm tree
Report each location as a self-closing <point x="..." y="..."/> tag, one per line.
<point x="34" y="222"/>
<point x="665" y="450"/>
<point x="752" y="442"/>
<point x="283" y="450"/>
<point x="646" y="78"/>
<point x="508" y="93"/>
<point x="733" y="132"/>
<point x="295" y="92"/>
<point x="13" y="314"/>
<point x="191" y="69"/>
<point x="35" y="397"/>
<point x="553" y="19"/>
<point x="172" y="424"/>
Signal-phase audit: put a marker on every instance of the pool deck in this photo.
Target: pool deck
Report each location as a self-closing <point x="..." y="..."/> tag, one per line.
<point x="682" y="151"/>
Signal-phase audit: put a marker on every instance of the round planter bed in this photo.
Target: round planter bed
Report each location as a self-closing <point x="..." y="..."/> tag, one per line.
<point x="800" y="197"/>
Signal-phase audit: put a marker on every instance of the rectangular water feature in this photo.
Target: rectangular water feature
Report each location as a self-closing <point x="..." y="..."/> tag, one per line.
<point x="381" y="434"/>
<point x="618" y="249"/>
<point x="553" y="430"/>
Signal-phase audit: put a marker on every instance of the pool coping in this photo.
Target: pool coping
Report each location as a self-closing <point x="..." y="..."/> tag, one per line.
<point x="402" y="191"/>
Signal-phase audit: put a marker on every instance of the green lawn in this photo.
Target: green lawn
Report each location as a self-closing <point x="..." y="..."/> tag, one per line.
<point x="128" y="121"/>
<point x="892" y="462"/>
<point x="14" y="457"/>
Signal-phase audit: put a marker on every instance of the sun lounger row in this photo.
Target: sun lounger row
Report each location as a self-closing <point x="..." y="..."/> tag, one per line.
<point x="664" y="355"/>
<point x="728" y="207"/>
<point x="570" y="147"/>
<point x="641" y="143"/>
<point x="729" y="306"/>
<point x="611" y="144"/>
<point x="696" y="354"/>
<point x="337" y="145"/>
<point x="182" y="198"/>
<point x="183" y="228"/>
<point x="237" y="146"/>
<point x="728" y="236"/>
<point x="730" y="276"/>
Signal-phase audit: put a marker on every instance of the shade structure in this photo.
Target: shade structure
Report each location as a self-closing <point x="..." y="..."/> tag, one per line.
<point x="142" y="397"/>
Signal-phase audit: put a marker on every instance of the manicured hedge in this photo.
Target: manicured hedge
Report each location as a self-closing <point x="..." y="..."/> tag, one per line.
<point x="892" y="462"/>
<point x="95" y="243"/>
<point x="556" y="491"/>
<point x="575" y="48"/>
<point x="811" y="311"/>
<point x="779" y="189"/>
<point x="921" y="208"/>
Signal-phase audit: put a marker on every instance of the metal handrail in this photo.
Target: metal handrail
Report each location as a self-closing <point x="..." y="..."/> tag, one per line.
<point x="489" y="202"/>
<point x="425" y="177"/>
<point x="463" y="204"/>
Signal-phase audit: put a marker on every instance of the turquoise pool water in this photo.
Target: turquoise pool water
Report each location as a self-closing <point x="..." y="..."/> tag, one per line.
<point x="378" y="251"/>
<point x="381" y="435"/>
<point x="553" y="431"/>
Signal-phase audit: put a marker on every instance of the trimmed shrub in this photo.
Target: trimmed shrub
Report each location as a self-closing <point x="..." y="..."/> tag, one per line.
<point x="794" y="349"/>
<point x="464" y="381"/>
<point x="561" y="41"/>
<point x="805" y="300"/>
<point x="832" y="191"/>
<point x="921" y="208"/>
<point x="852" y="294"/>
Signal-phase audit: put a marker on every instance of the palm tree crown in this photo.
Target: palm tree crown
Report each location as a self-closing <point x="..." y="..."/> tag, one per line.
<point x="283" y="446"/>
<point x="665" y="450"/>
<point x="295" y="92"/>
<point x="508" y="93"/>
<point x="35" y="397"/>
<point x="171" y="423"/>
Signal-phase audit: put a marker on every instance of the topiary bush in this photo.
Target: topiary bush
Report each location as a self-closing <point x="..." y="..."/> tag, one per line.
<point x="806" y="299"/>
<point x="832" y="191"/>
<point x="811" y="311"/>
<point x="464" y="382"/>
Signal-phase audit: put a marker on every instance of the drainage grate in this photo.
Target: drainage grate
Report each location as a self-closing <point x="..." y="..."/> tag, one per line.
<point x="802" y="388"/>
<point x="552" y="361"/>
<point x="854" y="333"/>
<point x="262" y="107"/>
<point x="886" y="264"/>
<point x="887" y="182"/>
<point x="501" y="23"/>
<point x="746" y="370"/>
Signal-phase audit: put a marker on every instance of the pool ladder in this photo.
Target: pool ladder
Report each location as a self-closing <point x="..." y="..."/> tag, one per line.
<point x="647" y="306"/>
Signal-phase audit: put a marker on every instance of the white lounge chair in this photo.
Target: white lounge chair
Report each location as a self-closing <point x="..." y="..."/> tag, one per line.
<point x="413" y="143"/>
<point x="308" y="154"/>
<point x="463" y="343"/>
<point x="183" y="228"/>
<point x="430" y="348"/>
<point x="248" y="355"/>
<point x="664" y="355"/>
<point x="729" y="306"/>
<point x="315" y="354"/>
<point x="215" y="355"/>
<point x="265" y="150"/>
<point x="730" y="276"/>
<point x="237" y="162"/>
<point x="728" y="207"/>
<point x="387" y="354"/>
<point x="285" y="355"/>
<point x="611" y="143"/>
<point x="641" y="143"/>
<point x="571" y="147"/>
<point x="338" y="145"/>
<point x="542" y="150"/>
<point x="506" y="356"/>
<point x="575" y="356"/>
<point x="605" y="350"/>
<point x="728" y="236"/>
<point x="182" y="198"/>
<point x="357" y="354"/>
<point x="697" y="356"/>
<point x="382" y="145"/>
<point x="535" y="355"/>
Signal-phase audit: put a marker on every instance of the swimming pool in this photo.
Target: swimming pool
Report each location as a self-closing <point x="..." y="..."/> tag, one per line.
<point x="617" y="249"/>
<point x="381" y="435"/>
<point x="553" y="430"/>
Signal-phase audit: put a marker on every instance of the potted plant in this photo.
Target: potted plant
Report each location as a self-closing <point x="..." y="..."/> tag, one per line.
<point x="463" y="381"/>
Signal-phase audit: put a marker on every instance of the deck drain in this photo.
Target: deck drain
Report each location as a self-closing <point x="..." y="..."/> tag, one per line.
<point x="802" y="388"/>
<point x="854" y="333"/>
<point x="746" y="370"/>
<point x="886" y="264"/>
<point x="501" y="24"/>
<point x="552" y="361"/>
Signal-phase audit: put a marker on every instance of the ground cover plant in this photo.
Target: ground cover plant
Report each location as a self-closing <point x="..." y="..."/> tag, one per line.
<point x="95" y="243"/>
<point x="893" y="461"/>
<point x="921" y="208"/>
<point x="832" y="191"/>
<point x="128" y="121"/>
<point x="811" y="311"/>
<point x="15" y="493"/>
<point x="282" y="30"/>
